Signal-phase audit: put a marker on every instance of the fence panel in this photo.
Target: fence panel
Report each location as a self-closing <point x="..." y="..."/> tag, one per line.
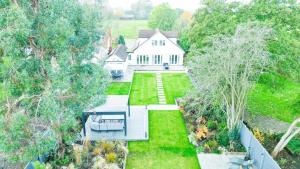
<point x="262" y="159"/>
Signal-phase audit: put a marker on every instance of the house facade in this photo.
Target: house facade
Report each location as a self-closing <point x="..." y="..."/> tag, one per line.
<point x="117" y="61"/>
<point x="153" y="50"/>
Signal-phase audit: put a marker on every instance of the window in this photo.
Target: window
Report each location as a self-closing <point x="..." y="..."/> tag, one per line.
<point x="154" y="42"/>
<point x="129" y="57"/>
<point x="162" y="42"/>
<point x="142" y="59"/>
<point x="157" y="59"/>
<point x="174" y="59"/>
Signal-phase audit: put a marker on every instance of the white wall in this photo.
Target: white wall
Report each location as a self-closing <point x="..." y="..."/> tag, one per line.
<point x="147" y="48"/>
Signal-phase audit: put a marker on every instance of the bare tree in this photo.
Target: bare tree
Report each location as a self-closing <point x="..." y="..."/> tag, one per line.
<point x="226" y="70"/>
<point x="287" y="137"/>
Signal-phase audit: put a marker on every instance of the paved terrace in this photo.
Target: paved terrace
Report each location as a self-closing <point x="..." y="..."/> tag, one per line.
<point x="219" y="161"/>
<point x="137" y="127"/>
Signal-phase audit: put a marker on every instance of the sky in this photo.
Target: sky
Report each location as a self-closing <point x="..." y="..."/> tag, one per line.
<point x="189" y="5"/>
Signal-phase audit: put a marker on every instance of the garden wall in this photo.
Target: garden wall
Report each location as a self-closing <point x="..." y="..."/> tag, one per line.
<point x="262" y="159"/>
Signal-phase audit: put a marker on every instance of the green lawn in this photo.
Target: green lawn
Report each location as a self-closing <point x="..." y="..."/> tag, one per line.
<point x="118" y="88"/>
<point x="143" y="89"/>
<point x="128" y="28"/>
<point x="175" y="85"/>
<point x="168" y="146"/>
<point x="282" y="103"/>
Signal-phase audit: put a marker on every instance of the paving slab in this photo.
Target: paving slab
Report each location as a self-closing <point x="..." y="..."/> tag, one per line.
<point x="219" y="161"/>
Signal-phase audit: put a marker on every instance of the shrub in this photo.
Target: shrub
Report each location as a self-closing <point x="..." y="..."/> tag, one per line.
<point x="99" y="163"/>
<point x="96" y="151"/>
<point x="107" y="147"/>
<point x="258" y="135"/>
<point x="38" y="165"/>
<point x="211" y="145"/>
<point x="223" y="138"/>
<point x="201" y="133"/>
<point x="294" y="146"/>
<point x="111" y="157"/>
<point x="211" y="125"/>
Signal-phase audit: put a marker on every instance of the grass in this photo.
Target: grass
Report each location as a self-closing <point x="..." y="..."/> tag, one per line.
<point x="168" y="146"/>
<point x="128" y="28"/>
<point x="118" y="88"/>
<point x="143" y="89"/>
<point x="281" y="102"/>
<point x="176" y="85"/>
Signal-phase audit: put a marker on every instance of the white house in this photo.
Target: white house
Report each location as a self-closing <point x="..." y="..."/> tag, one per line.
<point x="117" y="61"/>
<point x="153" y="50"/>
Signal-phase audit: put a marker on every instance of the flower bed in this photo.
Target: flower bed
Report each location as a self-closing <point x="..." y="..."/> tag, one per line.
<point x="288" y="158"/>
<point x="207" y="127"/>
<point x="97" y="155"/>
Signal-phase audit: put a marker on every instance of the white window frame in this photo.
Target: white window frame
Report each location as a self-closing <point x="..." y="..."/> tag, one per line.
<point x="174" y="59"/>
<point x="142" y="60"/>
<point x="157" y="59"/>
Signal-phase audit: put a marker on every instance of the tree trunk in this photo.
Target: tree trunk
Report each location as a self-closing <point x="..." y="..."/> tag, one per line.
<point x="286" y="138"/>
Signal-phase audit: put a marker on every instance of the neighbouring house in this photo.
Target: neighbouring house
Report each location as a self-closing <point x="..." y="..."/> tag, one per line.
<point x="153" y="50"/>
<point x="117" y="61"/>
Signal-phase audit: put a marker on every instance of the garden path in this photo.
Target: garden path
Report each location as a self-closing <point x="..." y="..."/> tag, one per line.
<point x="267" y="124"/>
<point x="160" y="89"/>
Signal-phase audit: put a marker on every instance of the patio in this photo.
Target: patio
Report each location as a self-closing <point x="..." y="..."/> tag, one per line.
<point x="116" y="109"/>
<point x="220" y="161"/>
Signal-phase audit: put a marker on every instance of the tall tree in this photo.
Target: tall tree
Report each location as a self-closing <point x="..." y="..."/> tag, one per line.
<point x="45" y="70"/>
<point x="121" y="40"/>
<point x="225" y="71"/>
<point x="163" y="17"/>
<point x="218" y="17"/>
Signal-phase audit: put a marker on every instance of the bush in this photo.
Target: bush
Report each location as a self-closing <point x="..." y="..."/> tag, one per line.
<point x="223" y="138"/>
<point x="211" y="145"/>
<point x="258" y="135"/>
<point x="212" y="125"/>
<point x="96" y="151"/>
<point x="38" y="165"/>
<point x="294" y="146"/>
<point x="111" y="157"/>
<point x="106" y="147"/>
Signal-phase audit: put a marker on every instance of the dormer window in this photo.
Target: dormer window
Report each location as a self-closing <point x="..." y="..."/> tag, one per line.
<point x="162" y="42"/>
<point x="154" y="42"/>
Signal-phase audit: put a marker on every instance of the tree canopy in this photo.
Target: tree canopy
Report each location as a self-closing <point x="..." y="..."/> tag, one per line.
<point x="47" y="74"/>
<point x="121" y="40"/>
<point x="219" y="17"/>
<point x="163" y="17"/>
<point x="225" y="71"/>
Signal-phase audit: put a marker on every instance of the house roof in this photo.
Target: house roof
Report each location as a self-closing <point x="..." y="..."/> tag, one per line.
<point x="149" y="33"/>
<point x="120" y="51"/>
<point x="146" y="33"/>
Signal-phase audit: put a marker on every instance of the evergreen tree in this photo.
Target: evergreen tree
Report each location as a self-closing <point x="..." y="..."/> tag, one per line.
<point x="46" y="74"/>
<point x="121" y="40"/>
